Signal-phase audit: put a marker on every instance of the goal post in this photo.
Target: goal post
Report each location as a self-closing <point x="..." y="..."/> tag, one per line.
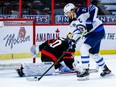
<point x="16" y="38"/>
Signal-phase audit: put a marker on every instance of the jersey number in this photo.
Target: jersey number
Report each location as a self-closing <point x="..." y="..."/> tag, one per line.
<point x="56" y="43"/>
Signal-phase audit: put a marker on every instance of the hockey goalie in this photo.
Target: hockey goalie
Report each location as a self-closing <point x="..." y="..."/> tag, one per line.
<point x="50" y="50"/>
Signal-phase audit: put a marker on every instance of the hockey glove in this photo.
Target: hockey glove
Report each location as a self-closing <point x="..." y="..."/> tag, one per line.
<point x="89" y="27"/>
<point x="71" y="42"/>
<point x="33" y="49"/>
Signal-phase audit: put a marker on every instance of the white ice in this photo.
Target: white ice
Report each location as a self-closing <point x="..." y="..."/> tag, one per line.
<point x="11" y="79"/>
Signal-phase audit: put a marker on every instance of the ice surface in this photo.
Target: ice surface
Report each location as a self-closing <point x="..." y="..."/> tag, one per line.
<point x="10" y="78"/>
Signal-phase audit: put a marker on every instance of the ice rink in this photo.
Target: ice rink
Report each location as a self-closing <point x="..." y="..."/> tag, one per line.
<point x="9" y="78"/>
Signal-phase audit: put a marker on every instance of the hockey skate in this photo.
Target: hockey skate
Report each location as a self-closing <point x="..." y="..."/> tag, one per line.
<point x="106" y="72"/>
<point x="20" y="72"/>
<point x="83" y="75"/>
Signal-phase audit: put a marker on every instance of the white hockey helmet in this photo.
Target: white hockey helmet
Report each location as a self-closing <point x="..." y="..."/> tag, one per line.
<point x="68" y="8"/>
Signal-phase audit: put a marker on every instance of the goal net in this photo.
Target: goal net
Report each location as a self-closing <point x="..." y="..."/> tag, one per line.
<point x="16" y="38"/>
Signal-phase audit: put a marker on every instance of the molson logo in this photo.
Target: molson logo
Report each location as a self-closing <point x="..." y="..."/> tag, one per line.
<point x="46" y="36"/>
<point x="22" y="32"/>
<point x="12" y="39"/>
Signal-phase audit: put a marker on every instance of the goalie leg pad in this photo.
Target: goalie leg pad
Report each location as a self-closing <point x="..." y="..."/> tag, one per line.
<point x="36" y="69"/>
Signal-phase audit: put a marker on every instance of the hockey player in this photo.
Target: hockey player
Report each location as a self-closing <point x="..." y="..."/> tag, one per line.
<point x="85" y="19"/>
<point x="50" y="50"/>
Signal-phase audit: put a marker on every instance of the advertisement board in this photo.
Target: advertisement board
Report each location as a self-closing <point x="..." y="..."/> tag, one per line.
<point x="19" y="39"/>
<point x="16" y="39"/>
<point x="44" y="33"/>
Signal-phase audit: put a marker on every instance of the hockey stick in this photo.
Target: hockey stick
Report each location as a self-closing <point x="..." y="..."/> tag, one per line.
<point x="39" y="78"/>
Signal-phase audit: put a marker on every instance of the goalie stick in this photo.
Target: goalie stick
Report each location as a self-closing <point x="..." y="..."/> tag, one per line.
<point x="39" y="78"/>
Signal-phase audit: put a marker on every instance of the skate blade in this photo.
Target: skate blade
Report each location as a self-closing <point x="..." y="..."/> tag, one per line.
<point x="83" y="78"/>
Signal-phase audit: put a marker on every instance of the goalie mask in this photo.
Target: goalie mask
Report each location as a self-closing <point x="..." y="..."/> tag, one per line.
<point x="69" y="35"/>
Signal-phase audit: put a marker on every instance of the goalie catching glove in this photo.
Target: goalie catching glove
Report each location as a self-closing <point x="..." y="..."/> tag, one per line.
<point x="34" y="50"/>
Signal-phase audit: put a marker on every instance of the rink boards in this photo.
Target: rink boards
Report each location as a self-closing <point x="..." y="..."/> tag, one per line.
<point x="43" y="33"/>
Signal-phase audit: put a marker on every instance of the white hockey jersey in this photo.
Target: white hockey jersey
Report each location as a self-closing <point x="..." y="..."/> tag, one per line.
<point x="86" y="17"/>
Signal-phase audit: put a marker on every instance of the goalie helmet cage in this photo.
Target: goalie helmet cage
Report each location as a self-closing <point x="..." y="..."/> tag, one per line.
<point x="16" y="37"/>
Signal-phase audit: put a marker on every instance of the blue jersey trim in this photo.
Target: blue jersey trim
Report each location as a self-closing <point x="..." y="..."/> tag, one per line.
<point x="102" y="64"/>
<point x="99" y="28"/>
<point x="89" y="22"/>
<point x="84" y="57"/>
<point x="81" y="11"/>
<point x="85" y="62"/>
<point x="90" y="8"/>
<point x="100" y="60"/>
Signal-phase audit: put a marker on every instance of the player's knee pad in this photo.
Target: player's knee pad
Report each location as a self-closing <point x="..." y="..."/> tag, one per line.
<point x="84" y="50"/>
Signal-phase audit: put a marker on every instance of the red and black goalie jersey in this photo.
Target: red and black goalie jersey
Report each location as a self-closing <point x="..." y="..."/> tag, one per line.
<point x="51" y="50"/>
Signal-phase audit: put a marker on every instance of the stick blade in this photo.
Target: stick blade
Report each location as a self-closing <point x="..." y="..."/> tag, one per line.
<point x="32" y="79"/>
